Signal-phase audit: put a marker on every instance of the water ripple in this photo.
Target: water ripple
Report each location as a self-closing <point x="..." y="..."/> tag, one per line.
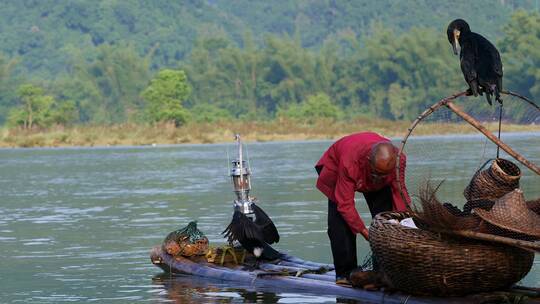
<point x="77" y="225"/>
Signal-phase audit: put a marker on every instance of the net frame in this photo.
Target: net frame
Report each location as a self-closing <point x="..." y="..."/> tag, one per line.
<point x="447" y="102"/>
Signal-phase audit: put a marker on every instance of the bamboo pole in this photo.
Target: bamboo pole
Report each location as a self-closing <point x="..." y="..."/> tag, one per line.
<point x="534" y="246"/>
<point x="492" y="137"/>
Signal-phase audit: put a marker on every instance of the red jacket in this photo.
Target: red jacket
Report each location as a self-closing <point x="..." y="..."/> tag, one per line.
<point x="346" y="170"/>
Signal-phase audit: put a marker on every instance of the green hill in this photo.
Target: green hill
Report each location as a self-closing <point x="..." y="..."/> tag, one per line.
<point x="44" y="32"/>
<point x="68" y="62"/>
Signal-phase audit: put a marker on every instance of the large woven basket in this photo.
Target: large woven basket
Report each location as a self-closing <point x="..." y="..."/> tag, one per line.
<point x="420" y="262"/>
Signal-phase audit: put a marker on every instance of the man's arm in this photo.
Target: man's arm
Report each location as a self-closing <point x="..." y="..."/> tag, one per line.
<point x="344" y="194"/>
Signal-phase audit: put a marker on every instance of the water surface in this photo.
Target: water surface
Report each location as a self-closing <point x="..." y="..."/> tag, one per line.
<point x="77" y="225"/>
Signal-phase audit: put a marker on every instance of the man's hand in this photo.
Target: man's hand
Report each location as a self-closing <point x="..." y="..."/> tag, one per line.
<point x="365" y="234"/>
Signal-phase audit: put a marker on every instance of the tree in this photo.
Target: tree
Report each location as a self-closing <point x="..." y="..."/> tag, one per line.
<point x="225" y="76"/>
<point x="399" y="99"/>
<point x="419" y="60"/>
<point x="165" y="95"/>
<point x="209" y="113"/>
<point x="107" y="88"/>
<point x="209" y="82"/>
<point x="290" y="73"/>
<point x="315" y="107"/>
<point x="7" y="84"/>
<point x="64" y="113"/>
<point x="34" y="107"/>
<point x="38" y="109"/>
<point x="520" y="52"/>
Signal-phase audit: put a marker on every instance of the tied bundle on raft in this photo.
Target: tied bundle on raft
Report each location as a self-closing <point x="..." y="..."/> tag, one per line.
<point x="226" y="255"/>
<point x="191" y="243"/>
<point x="187" y="241"/>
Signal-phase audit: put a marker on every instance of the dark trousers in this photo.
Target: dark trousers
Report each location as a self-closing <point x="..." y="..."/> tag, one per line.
<point x="343" y="240"/>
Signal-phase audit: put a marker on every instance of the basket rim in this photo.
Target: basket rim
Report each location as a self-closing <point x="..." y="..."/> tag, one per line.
<point x="421" y="262"/>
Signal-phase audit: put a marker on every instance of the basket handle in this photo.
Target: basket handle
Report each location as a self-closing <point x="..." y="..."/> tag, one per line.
<point x="481" y="168"/>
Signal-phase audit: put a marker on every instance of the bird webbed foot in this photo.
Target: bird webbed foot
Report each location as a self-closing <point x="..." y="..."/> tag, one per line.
<point x="470" y="92"/>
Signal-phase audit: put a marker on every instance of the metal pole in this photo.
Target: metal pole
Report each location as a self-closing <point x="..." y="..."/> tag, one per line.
<point x="240" y="159"/>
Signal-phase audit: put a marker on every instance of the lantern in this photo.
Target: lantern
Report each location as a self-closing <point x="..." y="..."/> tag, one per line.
<point x="241" y="179"/>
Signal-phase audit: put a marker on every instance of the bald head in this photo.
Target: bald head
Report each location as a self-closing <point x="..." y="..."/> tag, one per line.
<point x="383" y="158"/>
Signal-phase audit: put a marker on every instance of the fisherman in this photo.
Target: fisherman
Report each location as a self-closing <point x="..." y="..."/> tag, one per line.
<point x="363" y="162"/>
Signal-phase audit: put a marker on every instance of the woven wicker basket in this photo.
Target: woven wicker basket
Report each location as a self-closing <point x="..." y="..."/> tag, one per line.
<point x="494" y="182"/>
<point x="421" y="262"/>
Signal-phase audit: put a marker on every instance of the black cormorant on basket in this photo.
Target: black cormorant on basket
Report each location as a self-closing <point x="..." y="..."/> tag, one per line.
<point x="250" y="225"/>
<point x="480" y="61"/>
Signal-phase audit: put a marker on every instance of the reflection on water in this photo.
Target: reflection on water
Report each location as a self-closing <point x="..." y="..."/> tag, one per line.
<point x="76" y="225"/>
<point x="185" y="289"/>
<point x="188" y="289"/>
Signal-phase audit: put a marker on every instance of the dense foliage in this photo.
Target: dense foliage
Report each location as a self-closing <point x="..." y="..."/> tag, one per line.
<point x="164" y="97"/>
<point x="111" y="61"/>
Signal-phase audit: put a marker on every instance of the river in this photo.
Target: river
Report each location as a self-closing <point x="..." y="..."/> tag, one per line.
<point x="77" y="224"/>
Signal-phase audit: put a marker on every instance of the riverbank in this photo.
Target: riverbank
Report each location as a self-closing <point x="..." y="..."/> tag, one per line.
<point x="278" y="130"/>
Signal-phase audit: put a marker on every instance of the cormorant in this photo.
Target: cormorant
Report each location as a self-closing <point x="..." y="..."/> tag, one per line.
<point x="255" y="235"/>
<point x="480" y="61"/>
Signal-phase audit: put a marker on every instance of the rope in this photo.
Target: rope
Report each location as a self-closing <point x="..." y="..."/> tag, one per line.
<point x="500" y="118"/>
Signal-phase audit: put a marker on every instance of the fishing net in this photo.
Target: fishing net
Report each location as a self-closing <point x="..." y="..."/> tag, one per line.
<point x="462" y="182"/>
<point x="456" y="158"/>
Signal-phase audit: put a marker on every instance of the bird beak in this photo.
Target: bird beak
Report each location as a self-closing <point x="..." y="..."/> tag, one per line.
<point x="455" y="43"/>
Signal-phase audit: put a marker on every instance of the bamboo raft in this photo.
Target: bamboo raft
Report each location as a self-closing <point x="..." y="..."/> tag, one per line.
<point x="293" y="274"/>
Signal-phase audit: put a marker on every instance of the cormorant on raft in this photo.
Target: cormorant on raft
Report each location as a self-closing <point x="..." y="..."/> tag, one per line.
<point x="250" y="225"/>
<point x="255" y="233"/>
<point x="480" y="61"/>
